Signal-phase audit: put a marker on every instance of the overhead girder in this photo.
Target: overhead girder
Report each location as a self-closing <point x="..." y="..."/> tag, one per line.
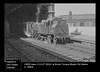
<point x="11" y="9"/>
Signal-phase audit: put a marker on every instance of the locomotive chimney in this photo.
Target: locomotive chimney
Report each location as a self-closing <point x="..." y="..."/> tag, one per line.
<point x="70" y="15"/>
<point x="70" y="18"/>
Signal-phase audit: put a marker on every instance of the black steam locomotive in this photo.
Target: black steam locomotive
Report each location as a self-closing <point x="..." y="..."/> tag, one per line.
<point x="54" y="30"/>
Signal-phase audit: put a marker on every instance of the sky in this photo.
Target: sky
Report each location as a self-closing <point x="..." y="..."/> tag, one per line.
<point x="64" y="8"/>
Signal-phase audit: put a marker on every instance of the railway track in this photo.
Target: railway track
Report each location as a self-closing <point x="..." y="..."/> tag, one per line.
<point x="82" y="48"/>
<point x="85" y="48"/>
<point x="32" y="53"/>
<point x="13" y="52"/>
<point x="78" y="51"/>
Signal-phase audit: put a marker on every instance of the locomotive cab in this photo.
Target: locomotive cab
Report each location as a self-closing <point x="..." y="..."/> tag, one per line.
<point x="58" y="27"/>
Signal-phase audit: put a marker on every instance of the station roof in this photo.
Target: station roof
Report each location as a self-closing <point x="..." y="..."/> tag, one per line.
<point x="79" y="18"/>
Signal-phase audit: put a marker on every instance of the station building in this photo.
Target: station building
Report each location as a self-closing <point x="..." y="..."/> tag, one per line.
<point x="80" y="20"/>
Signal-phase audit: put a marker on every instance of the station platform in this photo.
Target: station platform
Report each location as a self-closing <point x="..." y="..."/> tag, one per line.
<point x="84" y="38"/>
<point x="61" y="50"/>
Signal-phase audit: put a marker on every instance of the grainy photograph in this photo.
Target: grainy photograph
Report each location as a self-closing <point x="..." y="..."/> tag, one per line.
<point x="50" y="32"/>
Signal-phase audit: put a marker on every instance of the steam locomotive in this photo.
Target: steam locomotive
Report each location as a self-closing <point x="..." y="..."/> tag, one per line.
<point x="54" y="30"/>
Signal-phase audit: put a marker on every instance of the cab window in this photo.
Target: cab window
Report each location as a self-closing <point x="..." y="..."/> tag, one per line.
<point x="54" y="23"/>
